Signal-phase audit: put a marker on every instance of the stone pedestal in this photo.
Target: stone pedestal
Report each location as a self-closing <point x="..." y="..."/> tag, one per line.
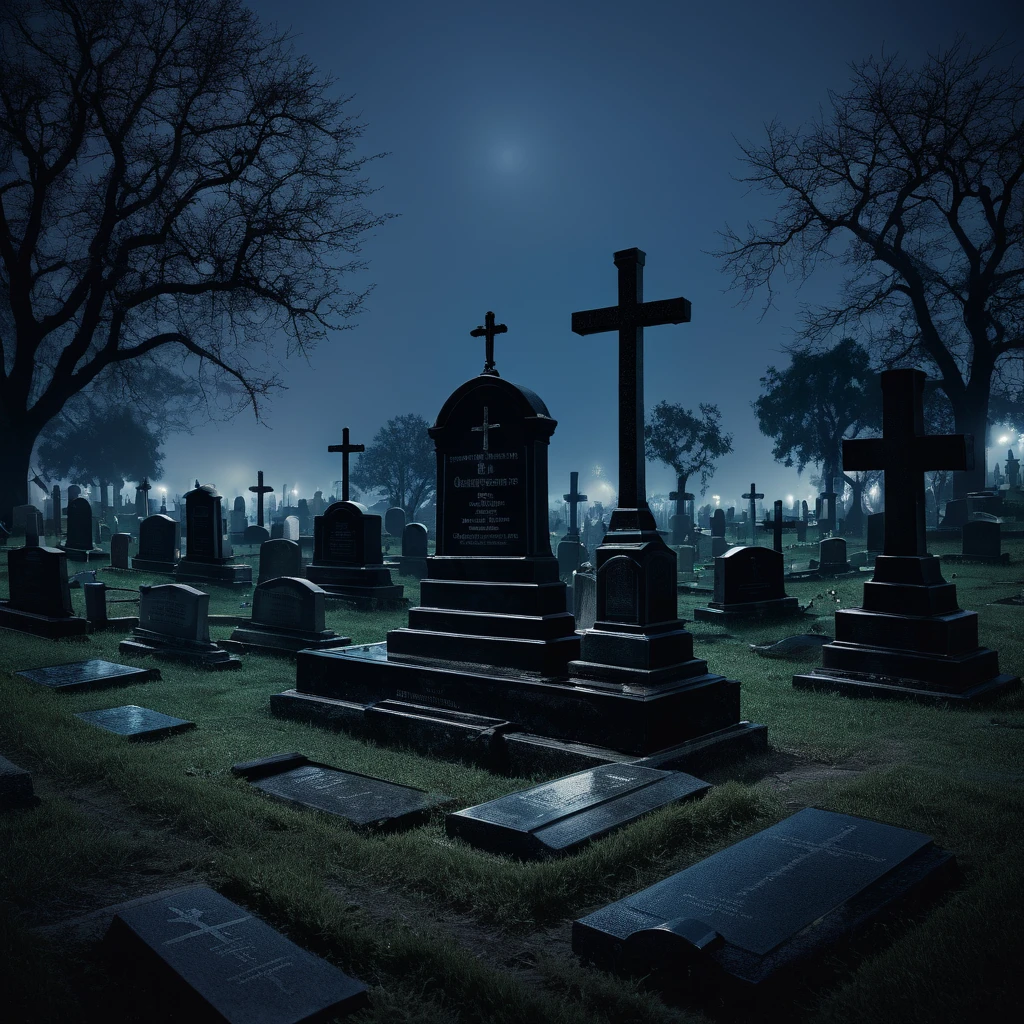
<point x="205" y="654"/>
<point x="909" y="640"/>
<point x="366" y="586"/>
<point x="50" y="626"/>
<point x="221" y="571"/>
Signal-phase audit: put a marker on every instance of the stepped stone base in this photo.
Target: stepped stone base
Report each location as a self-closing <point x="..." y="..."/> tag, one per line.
<point x="52" y="627"/>
<point x="90" y="555"/>
<point x="221" y="573"/>
<point x="777" y="608"/>
<point x="154" y="565"/>
<point x="288" y="642"/>
<point x="366" y="587"/>
<point x="205" y="655"/>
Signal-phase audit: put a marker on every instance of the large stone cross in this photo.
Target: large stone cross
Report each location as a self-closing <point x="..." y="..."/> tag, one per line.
<point x="145" y="487"/>
<point x="905" y="453"/>
<point x="629" y="318"/>
<point x="752" y="498"/>
<point x="574" y="498"/>
<point x="260" y="489"/>
<point x="345" y="448"/>
<point x="488" y="331"/>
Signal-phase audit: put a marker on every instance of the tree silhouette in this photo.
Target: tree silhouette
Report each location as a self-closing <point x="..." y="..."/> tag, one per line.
<point x="171" y="176"/>
<point x="401" y="462"/>
<point x="914" y="182"/>
<point x="687" y="443"/>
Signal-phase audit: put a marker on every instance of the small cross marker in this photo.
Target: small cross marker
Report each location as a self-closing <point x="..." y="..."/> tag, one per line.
<point x="488" y="331"/>
<point x="485" y="428"/>
<point x="260" y="489"/>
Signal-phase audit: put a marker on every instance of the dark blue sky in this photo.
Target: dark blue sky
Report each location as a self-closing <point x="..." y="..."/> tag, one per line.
<point x="528" y="141"/>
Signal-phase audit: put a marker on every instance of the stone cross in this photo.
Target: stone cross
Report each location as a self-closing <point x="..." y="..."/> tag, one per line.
<point x="488" y="331"/>
<point x="145" y="487"/>
<point x="680" y="495"/>
<point x="752" y="498"/>
<point x="345" y="448"/>
<point x="904" y="453"/>
<point x="574" y="498"/>
<point x="777" y="525"/>
<point x="259" y="490"/>
<point x="629" y="318"/>
<point x="486" y="427"/>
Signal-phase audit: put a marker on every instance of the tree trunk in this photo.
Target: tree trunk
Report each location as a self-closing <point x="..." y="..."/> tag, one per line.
<point x="15" y="458"/>
<point x="853" y="523"/>
<point x="970" y="416"/>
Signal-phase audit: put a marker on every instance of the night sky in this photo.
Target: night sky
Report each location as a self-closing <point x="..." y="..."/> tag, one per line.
<point x="528" y="142"/>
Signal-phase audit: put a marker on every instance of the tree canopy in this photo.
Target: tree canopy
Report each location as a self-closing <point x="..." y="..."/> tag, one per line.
<point x="401" y="462"/>
<point x="172" y="176"/>
<point x="913" y="181"/>
<point x="687" y="443"/>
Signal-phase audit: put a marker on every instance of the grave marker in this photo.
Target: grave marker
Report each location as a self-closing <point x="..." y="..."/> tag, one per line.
<point x="136" y="723"/>
<point x="206" y="558"/>
<point x="748" y="584"/>
<point x="40" y="600"/>
<point x="79" y="545"/>
<point x="279" y="557"/>
<point x="159" y="545"/>
<point x="752" y="499"/>
<point x="15" y="787"/>
<point x="94" y="674"/>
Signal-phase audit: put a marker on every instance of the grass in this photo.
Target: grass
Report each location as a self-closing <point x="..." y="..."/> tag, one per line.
<point x="442" y="932"/>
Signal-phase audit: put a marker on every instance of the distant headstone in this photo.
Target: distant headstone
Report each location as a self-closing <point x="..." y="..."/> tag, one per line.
<point x="15" y="787"/>
<point x="120" y="544"/>
<point x="748" y="583"/>
<point x="238" y="521"/>
<point x="136" y="723"/>
<point x="291" y="528"/>
<point x="305" y="519"/>
<point x="362" y="800"/>
<point x="561" y="816"/>
<point x="287" y="616"/>
<point x="40" y="600"/>
<point x="876" y="532"/>
<point x="1012" y="471"/>
<point x="832" y="557"/>
<point x="277" y="530"/>
<point x="20" y="516"/>
<point x="719" y="545"/>
<point x="766" y="904"/>
<point x="95" y="674"/>
<point x="206" y="557"/>
<point x="80" y="544"/>
<point x="231" y="965"/>
<point x="173" y="624"/>
<point x="279" y="558"/>
<point x="584" y="593"/>
<point x="159" y="544"/>
<point x="413" y="559"/>
<point x="684" y="558"/>
<point x="255" y="535"/>
<point x="982" y="542"/>
<point x="394" y="520"/>
<point x="801" y="525"/>
<point x="956" y="513"/>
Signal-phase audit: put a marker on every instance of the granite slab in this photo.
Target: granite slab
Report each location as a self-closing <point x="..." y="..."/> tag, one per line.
<point x="136" y="723"/>
<point x="95" y="674"/>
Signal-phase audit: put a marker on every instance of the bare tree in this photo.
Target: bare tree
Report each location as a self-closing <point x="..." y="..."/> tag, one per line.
<point x="172" y="176"/>
<point x="913" y="181"/>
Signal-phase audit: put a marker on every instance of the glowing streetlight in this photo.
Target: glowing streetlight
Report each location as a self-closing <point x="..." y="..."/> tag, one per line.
<point x="1004" y="439"/>
<point x="791" y="500"/>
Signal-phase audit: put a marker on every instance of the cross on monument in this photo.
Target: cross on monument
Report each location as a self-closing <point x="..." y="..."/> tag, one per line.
<point x="629" y="318"/>
<point x="574" y="498"/>
<point x="485" y="428"/>
<point x="345" y="448"/>
<point x="752" y="498"/>
<point x="260" y="489"/>
<point x="145" y="487"/>
<point x="904" y="453"/>
<point x="488" y="331"/>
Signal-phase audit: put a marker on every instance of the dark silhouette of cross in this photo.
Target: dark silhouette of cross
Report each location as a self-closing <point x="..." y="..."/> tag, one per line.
<point x="776" y="524"/>
<point x="145" y="487"/>
<point x="629" y="318"/>
<point x="752" y="498"/>
<point x="904" y="453"/>
<point x="260" y="489"/>
<point x="488" y="331"/>
<point x="345" y="448"/>
<point x="485" y="428"/>
<point x="574" y="498"/>
<point x="679" y="495"/>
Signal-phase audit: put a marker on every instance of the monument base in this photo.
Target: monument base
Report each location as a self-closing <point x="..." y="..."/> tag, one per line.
<point x="779" y="607"/>
<point x="409" y="565"/>
<point x="154" y="565"/>
<point x="222" y="573"/>
<point x="205" y="655"/>
<point x="288" y="642"/>
<point x="365" y="587"/>
<point x="83" y="555"/>
<point x="50" y="626"/>
<point x="866" y="684"/>
<point x="1000" y="559"/>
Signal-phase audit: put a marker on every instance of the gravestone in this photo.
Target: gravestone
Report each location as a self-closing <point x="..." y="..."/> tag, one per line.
<point x="584" y="595"/>
<point x="15" y="787"/>
<point x="413" y="559"/>
<point x="347" y="560"/>
<point x="828" y="520"/>
<point x="277" y="530"/>
<point x="684" y="559"/>
<point x="24" y="516"/>
<point x="226" y="964"/>
<point x="55" y="513"/>
<point x="79" y="544"/>
<point x="1012" y="471"/>
<point x="801" y="525"/>
<point x="279" y="558"/>
<point x="287" y="616"/>
<point x="136" y="723"/>
<point x="982" y="542"/>
<point x="206" y="559"/>
<point x="173" y="623"/>
<point x="910" y="639"/>
<point x="956" y="513"/>
<point x="255" y="535"/>
<point x="571" y="552"/>
<point x="259" y="489"/>
<point x="832" y="557"/>
<point x="305" y="523"/>
<point x="768" y="907"/>
<point x="748" y="584"/>
<point x="394" y="521"/>
<point x="238" y="521"/>
<point x="40" y="600"/>
<point x="159" y="545"/>
<point x="363" y="801"/>
<point x="876" y="531"/>
<point x="80" y="676"/>
<point x="120" y="545"/>
<point x="719" y="545"/>
<point x="562" y="816"/>
<point x="291" y="529"/>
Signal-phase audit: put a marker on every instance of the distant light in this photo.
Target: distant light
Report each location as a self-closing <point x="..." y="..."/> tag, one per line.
<point x="295" y="492"/>
<point x="716" y="499"/>
<point x="790" y="499"/>
<point x="1004" y="439"/>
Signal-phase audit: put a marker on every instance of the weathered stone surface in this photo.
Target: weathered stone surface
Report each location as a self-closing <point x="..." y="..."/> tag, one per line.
<point x="136" y="723"/>
<point x="95" y="674"/>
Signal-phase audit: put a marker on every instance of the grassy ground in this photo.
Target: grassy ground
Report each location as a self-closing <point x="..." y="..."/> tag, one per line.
<point x="442" y="932"/>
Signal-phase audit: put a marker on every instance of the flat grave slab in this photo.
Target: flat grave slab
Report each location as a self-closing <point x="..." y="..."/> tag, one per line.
<point x="15" y="786"/>
<point x="561" y="816"/>
<point x="135" y="722"/>
<point x="362" y="800"/>
<point x="229" y="965"/>
<point x="765" y="906"/>
<point x="95" y="674"/>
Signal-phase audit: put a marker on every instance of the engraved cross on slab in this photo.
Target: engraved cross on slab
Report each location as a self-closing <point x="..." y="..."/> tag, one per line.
<point x="574" y="498"/>
<point x="345" y="448"/>
<point x="629" y="318"/>
<point x="485" y="428"/>
<point x="904" y="453"/>
<point x="488" y="331"/>
<point x="260" y="489"/>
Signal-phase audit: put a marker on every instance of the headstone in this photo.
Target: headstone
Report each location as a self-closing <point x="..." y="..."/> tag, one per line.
<point x="15" y="787"/>
<point x="79" y="545"/>
<point x="876" y="531"/>
<point x="256" y="535"/>
<point x="56" y="512"/>
<point x="684" y="559"/>
<point x="394" y="520"/>
<point x="236" y="531"/>
<point x="206" y="557"/>
<point x="20" y="516"/>
<point x="910" y="639"/>
<point x="159" y="545"/>
<point x="287" y="616"/>
<point x="228" y="964"/>
<point x="363" y="801"/>
<point x="74" y="491"/>
<point x="982" y="542"/>
<point x="95" y="674"/>
<point x="1012" y="471"/>
<point x="770" y="903"/>
<point x="259" y="490"/>
<point x="305" y="522"/>
<point x="829" y="519"/>
<point x="801" y="526"/>
<point x="173" y="623"/>
<point x="719" y="545"/>
<point x="562" y="816"/>
<point x="291" y="528"/>
<point x="748" y="584"/>
<point x="279" y="558"/>
<point x="956" y="513"/>
<point x="277" y="530"/>
<point x="136" y="723"/>
<point x="413" y="559"/>
<point x="584" y="594"/>
<point x="120" y="545"/>
<point x="40" y="600"/>
<point x="832" y="557"/>
<point x="347" y="560"/>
